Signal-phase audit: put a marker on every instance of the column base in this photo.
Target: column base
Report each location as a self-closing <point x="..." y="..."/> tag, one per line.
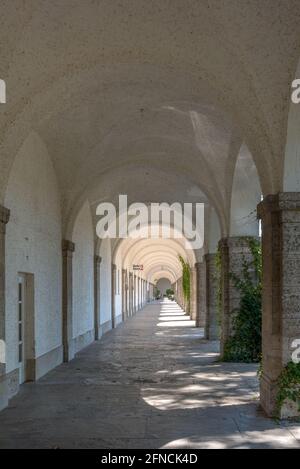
<point x="268" y="401"/>
<point x="212" y="333"/>
<point x="104" y="328"/>
<point x="69" y="351"/>
<point x="268" y="395"/>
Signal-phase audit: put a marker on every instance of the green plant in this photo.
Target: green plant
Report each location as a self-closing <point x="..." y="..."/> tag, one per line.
<point x="289" y="385"/>
<point x="186" y="279"/>
<point x="169" y="293"/>
<point x="218" y="262"/>
<point x="260" y="367"/>
<point x="245" y="343"/>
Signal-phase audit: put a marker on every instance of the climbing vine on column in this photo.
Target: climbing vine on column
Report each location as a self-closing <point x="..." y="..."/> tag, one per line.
<point x="245" y="343"/>
<point x="186" y="280"/>
<point x="219" y="286"/>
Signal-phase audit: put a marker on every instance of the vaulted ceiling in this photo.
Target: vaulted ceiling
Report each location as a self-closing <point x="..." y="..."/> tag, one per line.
<point x="114" y="87"/>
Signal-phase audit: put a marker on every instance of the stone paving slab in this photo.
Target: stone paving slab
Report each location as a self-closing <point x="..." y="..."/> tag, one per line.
<point x="153" y="382"/>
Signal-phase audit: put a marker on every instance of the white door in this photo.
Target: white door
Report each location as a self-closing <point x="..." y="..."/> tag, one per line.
<point x="21" y="328"/>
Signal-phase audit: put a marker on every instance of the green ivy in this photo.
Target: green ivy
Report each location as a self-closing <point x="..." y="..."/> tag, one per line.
<point x="289" y="385"/>
<point x="186" y="279"/>
<point x="218" y="264"/>
<point x="245" y="343"/>
<point x="260" y="367"/>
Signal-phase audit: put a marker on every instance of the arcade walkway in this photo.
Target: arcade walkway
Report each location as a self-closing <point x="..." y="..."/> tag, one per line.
<point x="151" y="383"/>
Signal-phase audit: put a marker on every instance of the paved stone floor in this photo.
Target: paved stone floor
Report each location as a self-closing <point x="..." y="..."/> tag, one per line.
<point x="153" y="382"/>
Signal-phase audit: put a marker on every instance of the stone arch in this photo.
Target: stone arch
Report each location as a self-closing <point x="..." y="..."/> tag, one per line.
<point x="101" y="188"/>
<point x="163" y="283"/>
<point x="33" y="247"/>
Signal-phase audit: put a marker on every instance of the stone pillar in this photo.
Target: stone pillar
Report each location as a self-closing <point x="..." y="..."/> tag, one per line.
<point x="234" y="252"/>
<point x="280" y="215"/>
<point x="194" y="294"/>
<point x="67" y="295"/>
<point x="113" y="294"/>
<point x="134" y="294"/>
<point x="212" y="290"/>
<point x="142" y="296"/>
<point x="179" y="296"/>
<point x="201" y="294"/>
<point x="130" y="293"/>
<point x="4" y="218"/>
<point x="138" y="280"/>
<point x="97" y="263"/>
<point x="124" y="294"/>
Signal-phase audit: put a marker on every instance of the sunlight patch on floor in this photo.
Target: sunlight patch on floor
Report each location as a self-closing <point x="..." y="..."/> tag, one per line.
<point x="171" y="315"/>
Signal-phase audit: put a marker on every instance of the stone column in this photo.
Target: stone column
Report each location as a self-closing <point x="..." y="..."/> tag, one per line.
<point x="130" y="293"/>
<point x="234" y="252"/>
<point x="67" y="295"/>
<point x="179" y="297"/>
<point x="124" y="296"/>
<point x="142" y="289"/>
<point x="194" y="294"/>
<point x="113" y="294"/>
<point x="97" y="263"/>
<point x="212" y="290"/>
<point x="135" y="294"/>
<point x="201" y="294"/>
<point x="280" y="215"/>
<point x="138" y="284"/>
<point x="4" y="218"/>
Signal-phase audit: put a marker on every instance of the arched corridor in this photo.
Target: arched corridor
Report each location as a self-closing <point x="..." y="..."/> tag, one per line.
<point x="151" y="383"/>
<point x="149" y="151"/>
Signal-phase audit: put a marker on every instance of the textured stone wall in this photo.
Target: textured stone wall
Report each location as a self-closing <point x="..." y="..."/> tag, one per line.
<point x="201" y="294"/>
<point x="212" y="286"/>
<point x="194" y="294"/>
<point x="280" y="215"/>
<point x="234" y="251"/>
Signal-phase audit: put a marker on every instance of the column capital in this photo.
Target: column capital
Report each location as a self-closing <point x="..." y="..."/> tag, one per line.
<point x="210" y="257"/>
<point x="67" y="247"/>
<point x="4" y="218"/>
<point x="223" y="243"/>
<point x="289" y="201"/>
<point x="236" y="241"/>
<point x="113" y="267"/>
<point x="98" y="259"/>
<point x="4" y="214"/>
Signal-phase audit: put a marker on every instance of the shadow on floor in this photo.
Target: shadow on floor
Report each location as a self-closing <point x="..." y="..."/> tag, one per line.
<point x="151" y="383"/>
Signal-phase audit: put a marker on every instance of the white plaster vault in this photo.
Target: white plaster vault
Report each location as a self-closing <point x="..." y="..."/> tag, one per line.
<point x="162" y="101"/>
